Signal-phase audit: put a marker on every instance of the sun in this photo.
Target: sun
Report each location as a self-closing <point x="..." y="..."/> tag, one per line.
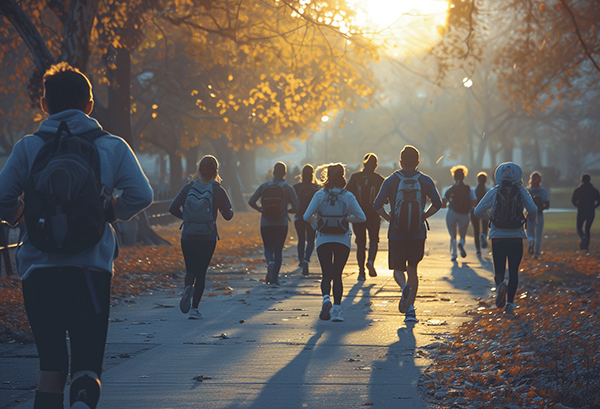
<point x="404" y="27"/>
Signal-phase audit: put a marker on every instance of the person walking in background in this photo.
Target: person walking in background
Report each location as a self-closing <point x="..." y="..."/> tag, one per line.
<point x="365" y="185"/>
<point x="460" y="200"/>
<point x="277" y="199"/>
<point x="305" y="190"/>
<point x="332" y="209"/>
<point x="67" y="172"/>
<point x="407" y="191"/>
<point x="503" y="205"/>
<point x="480" y="227"/>
<point x="586" y="199"/>
<point x="197" y="204"/>
<point x="541" y="198"/>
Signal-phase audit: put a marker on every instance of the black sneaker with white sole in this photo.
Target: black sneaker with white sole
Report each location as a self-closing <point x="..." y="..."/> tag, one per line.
<point x="461" y="248"/>
<point x="186" y="299"/>
<point x="85" y="392"/>
<point x="501" y="294"/>
<point x="325" y="308"/>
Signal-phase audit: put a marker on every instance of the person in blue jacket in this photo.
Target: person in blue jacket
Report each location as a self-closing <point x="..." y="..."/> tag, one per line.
<point x="66" y="292"/>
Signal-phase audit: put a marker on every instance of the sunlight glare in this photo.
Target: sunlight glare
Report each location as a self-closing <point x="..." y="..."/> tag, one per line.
<point x="404" y="27"/>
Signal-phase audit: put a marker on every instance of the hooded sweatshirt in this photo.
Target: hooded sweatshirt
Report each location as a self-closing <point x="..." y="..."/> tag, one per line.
<point x="119" y="169"/>
<point x="512" y="172"/>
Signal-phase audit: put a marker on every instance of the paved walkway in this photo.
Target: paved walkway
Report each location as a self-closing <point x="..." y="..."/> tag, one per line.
<point x="266" y="348"/>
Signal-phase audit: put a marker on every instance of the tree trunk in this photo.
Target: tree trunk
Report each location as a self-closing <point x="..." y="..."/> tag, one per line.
<point x="118" y="117"/>
<point x="229" y="172"/>
<point x="75" y="47"/>
<point x="247" y="169"/>
<point x="191" y="160"/>
<point x="176" y="173"/>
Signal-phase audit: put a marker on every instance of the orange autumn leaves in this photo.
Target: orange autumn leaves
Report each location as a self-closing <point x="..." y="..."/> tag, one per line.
<point x="547" y="353"/>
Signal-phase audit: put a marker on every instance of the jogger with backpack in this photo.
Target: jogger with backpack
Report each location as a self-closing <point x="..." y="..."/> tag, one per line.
<point x="407" y="191"/>
<point x="504" y="205"/>
<point x="67" y="172"/>
<point x="541" y="198"/>
<point x="480" y="227"/>
<point x="459" y="200"/>
<point x="197" y="204"/>
<point x="277" y="199"/>
<point x="332" y="209"/>
<point x="365" y="186"/>
<point x="305" y="190"/>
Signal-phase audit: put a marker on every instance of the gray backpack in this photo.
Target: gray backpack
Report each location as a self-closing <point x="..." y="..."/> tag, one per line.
<point x="333" y="214"/>
<point x="198" y="217"/>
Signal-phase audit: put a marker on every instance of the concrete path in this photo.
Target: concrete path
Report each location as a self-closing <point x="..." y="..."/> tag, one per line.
<point x="266" y="348"/>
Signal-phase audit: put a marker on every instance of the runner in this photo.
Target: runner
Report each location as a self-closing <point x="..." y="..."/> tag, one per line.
<point x="406" y="190"/>
<point x="197" y="204"/>
<point x="480" y="227"/>
<point x="332" y="208"/>
<point x="276" y="197"/>
<point x="305" y="190"/>
<point x="586" y="199"/>
<point x="535" y="231"/>
<point x="460" y="199"/>
<point x="365" y="185"/>
<point x="503" y="205"/>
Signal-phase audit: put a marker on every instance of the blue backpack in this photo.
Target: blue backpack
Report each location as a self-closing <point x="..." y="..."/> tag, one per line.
<point x="198" y="217"/>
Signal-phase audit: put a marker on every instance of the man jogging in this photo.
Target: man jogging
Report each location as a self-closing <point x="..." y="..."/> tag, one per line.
<point x="585" y="198"/>
<point x="66" y="259"/>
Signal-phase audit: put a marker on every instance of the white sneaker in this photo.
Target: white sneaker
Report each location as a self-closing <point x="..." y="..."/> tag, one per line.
<point x="336" y="314"/>
<point x="410" y="315"/>
<point x="194" y="314"/>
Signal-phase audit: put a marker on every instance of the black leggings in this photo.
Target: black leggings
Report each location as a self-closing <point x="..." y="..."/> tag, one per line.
<point x="197" y="255"/>
<point x="511" y="249"/>
<point x="67" y="299"/>
<point x="584" y="233"/>
<point x="477" y="222"/>
<point x="333" y="257"/>
<point x="360" y="231"/>
<point x="273" y="239"/>
<point x="306" y="237"/>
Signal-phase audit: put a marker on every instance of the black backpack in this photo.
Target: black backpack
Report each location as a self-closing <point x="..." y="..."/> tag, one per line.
<point x="366" y="191"/>
<point x="305" y="195"/>
<point x="272" y="200"/>
<point x="507" y="211"/>
<point x="65" y="202"/>
<point x="198" y="217"/>
<point x="460" y="200"/>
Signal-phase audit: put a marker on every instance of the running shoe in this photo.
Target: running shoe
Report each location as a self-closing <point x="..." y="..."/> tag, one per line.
<point x="501" y="295"/>
<point x="410" y="315"/>
<point x="461" y="248"/>
<point x="510" y="308"/>
<point x="371" y="268"/>
<point x="186" y="299"/>
<point x="325" y="308"/>
<point x="304" y="268"/>
<point x="530" y="250"/>
<point x="336" y="314"/>
<point x="85" y="392"/>
<point x="403" y="305"/>
<point x="484" y="242"/>
<point x="361" y="275"/>
<point x="269" y="276"/>
<point x="194" y="314"/>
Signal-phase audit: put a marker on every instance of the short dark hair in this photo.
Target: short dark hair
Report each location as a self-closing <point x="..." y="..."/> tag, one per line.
<point x="279" y="170"/>
<point x="66" y="87"/>
<point x="370" y="162"/>
<point x="308" y="173"/>
<point x="409" y="156"/>
<point x="585" y="178"/>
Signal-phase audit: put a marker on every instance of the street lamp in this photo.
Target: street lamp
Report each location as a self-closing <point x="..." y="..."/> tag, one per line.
<point x="468" y="83"/>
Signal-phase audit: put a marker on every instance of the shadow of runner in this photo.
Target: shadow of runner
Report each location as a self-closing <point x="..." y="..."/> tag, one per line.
<point x="466" y="278"/>
<point x="398" y="371"/>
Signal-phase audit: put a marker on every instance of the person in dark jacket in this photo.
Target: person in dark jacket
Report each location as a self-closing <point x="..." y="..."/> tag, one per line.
<point x="459" y="199"/>
<point x="198" y="247"/>
<point x="305" y="190"/>
<point x="365" y="185"/>
<point x="586" y="199"/>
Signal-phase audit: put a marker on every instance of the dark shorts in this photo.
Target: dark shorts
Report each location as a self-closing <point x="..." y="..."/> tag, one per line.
<point x="405" y="252"/>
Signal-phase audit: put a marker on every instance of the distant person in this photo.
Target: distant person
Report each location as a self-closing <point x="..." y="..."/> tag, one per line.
<point x="365" y="185"/>
<point x="197" y="204"/>
<point x="332" y="209"/>
<point x="305" y="190"/>
<point x="586" y="199"/>
<point x="541" y="198"/>
<point x="407" y="191"/>
<point x="480" y="227"/>
<point x="277" y="199"/>
<point x="67" y="172"/>
<point x="503" y="205"/>
<point x="460" y="199"/>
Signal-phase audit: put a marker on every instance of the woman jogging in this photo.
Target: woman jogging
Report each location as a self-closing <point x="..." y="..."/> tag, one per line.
<point x="197" y="204"/>
<point x="503" y="205"/>
<point x="480" y="227"/>
<point x="459" y="200"/>
<point x="305" y="190"/>
<point x="333" y="208"/>
<point x="541" y="198"/>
